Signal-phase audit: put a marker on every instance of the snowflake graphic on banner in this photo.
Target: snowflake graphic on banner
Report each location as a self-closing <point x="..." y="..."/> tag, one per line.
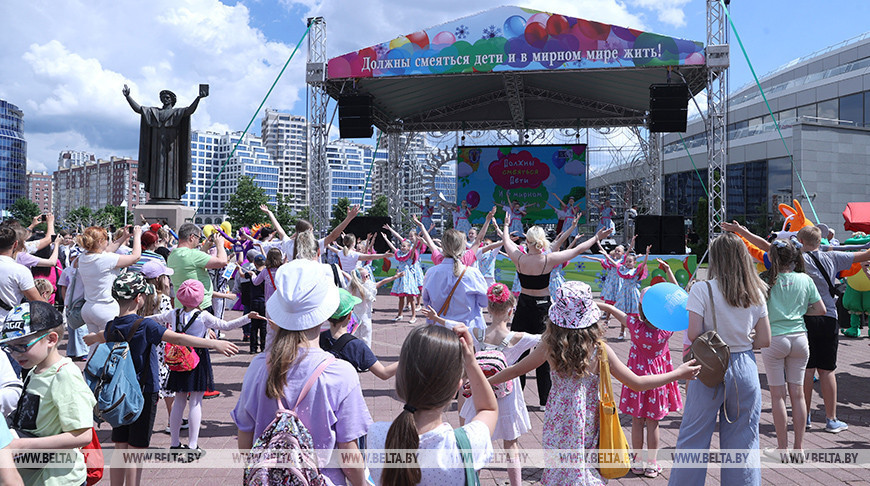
<point x="580" y="266"/>
<point x="490" y="32"/>
<point x="462" y="32"/>
<point x="599" y="279"/>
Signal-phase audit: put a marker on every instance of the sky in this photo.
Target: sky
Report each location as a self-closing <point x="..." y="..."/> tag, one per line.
<point x="64" y="62"/>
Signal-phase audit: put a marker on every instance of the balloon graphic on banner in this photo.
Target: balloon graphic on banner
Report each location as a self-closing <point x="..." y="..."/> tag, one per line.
<point x="473" y="199"/>
<point x="378" y="265"/>
<point x="682" y="277"/>
<point x="444" y="38"/>
<point x="536" y="34"/>
<point x="514" y="26"/>
<point x="657" y="280"/>
<point x="559" y="159"/>
<point x="664" y="306"/>
<point x="386" y="265"/>
<point x="859" y="282"/>
<point x="658" y="272"/>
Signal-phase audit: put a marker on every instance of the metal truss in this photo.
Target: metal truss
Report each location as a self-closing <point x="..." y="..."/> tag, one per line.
<point x="651" y="169"/>
<point x="717" y="111"/>
<point x="318" y="168"/>
<point x="399" y="174"/>
<point x="513" y="87"/>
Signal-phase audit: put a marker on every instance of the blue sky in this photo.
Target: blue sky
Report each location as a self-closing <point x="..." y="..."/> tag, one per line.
<point x="64" y="62"/>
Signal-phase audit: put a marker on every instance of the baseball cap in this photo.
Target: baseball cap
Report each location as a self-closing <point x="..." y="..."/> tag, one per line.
<point x="28" y="319"/>
<point x="346" y="302"/>
<point x="130" y="284"/>
<point x="304" y="298"/>
<point x="155" y="268"/>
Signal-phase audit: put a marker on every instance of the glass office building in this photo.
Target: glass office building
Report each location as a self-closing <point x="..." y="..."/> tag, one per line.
<point x="13" y="155"/>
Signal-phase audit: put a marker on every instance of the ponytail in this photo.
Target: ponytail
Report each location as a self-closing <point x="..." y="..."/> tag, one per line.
<point x="453" y="245"/>
<point x="403" y="434"/>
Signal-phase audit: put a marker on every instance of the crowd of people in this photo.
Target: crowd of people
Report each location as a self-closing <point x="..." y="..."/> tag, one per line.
<point x="309" y="323"/>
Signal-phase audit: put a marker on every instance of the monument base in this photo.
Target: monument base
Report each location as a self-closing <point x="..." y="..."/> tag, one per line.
<point x="172" y="214"/>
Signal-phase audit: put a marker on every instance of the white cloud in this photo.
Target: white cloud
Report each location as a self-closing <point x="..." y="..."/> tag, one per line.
<point x="669" y="12"/>
<point x="71" y="59"/>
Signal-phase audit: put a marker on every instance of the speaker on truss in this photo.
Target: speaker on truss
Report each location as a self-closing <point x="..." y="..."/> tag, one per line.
<point x="355" y="116"/>
<point x="668" y="107"/>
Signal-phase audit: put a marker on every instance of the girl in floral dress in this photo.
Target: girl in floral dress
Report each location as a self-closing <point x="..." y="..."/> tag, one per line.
<point x="628" y="299"/>
<point x="649" y="355"/>
<point x="406" y="287"/>
<point x="612" y="283"/>
<point x="571" y="419"/>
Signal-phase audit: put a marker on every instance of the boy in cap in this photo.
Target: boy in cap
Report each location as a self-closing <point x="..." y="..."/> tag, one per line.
<point x="56" y="409"/>
<point x="340" y="341"/>
<point x="130" y="290"/>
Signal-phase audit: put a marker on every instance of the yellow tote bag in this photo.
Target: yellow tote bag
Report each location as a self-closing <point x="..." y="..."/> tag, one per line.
<point x="613" y="458"/>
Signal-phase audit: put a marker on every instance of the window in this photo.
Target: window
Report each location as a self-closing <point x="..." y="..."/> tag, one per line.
<point x="852" y="109"/>
<point x="829" y="109"/>
<point x="806" y="110"/>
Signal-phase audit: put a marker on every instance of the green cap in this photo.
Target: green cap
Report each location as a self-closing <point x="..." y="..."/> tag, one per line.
<point x="345" y="304"/>
<point x="130" y="284"/>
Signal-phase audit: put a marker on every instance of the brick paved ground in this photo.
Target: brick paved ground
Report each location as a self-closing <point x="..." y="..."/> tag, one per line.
<point x="218" y="430"/>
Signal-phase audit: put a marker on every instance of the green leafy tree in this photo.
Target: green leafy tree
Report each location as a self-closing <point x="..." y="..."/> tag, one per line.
<point x="114" y="214"/>
<point x="339" y="212"/>
<point x="380" y="207"/>
<point x="283" y="213"/>
<point x="699" y="224"/>
<point x="243" y="208"/>
<point x="24" y="210"/>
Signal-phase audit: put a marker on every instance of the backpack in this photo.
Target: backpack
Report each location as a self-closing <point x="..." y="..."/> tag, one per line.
<point x="711" y="352"/>
<point x="491" y="361"/>
<point x="74" y="308"/>
<point x="286" y="433"/>
<point x="111" y="375"/>
<point x="181" y="358"/>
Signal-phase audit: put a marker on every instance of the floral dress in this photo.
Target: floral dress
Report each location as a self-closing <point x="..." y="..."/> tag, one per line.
<point x="571" y="422"/>
<point x="612" y="282"/>
<point x="406" y="285"/>
<point x="417" y="267"/>
<point x="557" y="279"/>
<point x="165" y="305"/>
<point x="628" y="298"/>
<point x="649" y="355"/>
<point x="460" y="220"/>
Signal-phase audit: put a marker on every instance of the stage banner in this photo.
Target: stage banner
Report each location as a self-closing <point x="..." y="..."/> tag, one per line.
<point x="515" y="39"/>
<point x="530" y="174"/>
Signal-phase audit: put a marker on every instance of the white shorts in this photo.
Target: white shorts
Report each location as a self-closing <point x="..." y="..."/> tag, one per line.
<point x="785" y="360"/>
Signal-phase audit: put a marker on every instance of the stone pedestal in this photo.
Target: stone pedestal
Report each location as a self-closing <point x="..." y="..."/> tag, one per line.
<point x="174" y="214"/>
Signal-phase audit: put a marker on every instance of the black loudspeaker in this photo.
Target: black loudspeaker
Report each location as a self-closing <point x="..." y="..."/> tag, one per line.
<point x="355" y="116"/>
<point x="646" y="239"/>
<point x="668" y="107"/>
<point x="666" y="234"/>
<point x="675" y="244"/>
<point x="673" y="225"/>
<point x="361" y="226"/>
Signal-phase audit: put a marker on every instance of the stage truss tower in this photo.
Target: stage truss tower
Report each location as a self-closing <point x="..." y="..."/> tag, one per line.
<point x="717" y="112"/>
<point x="318" y="168"/>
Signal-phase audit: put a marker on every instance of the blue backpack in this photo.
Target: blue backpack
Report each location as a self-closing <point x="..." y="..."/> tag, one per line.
<point x="112" y="377"/>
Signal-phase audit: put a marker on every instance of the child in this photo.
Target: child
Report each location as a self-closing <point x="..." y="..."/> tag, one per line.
<point x="612" y="283"/>
<point x="131" y="291"/>
<point x="56" y="408"/>
<point x="513" y="418"/>
<point x="157" y="274"/>
<point x="257" y="327"/>
<point x="71" y="289"/>
<point x="649" y="355"/>
<point x="192" y="384"/>
<point x="628" y="298"/>
<point x="406" y="287"/>
<point x="363" y="286"/>
<point x="351" y="349"/>
<point x="486" y="259"/>
<point x="348" y="258"/>
<point x="303" y="301"/>
<point x="266" y="277"/>
<point x="45" y="289"/>
<point x="431" y="363"/>
<point x="571" y="417"/>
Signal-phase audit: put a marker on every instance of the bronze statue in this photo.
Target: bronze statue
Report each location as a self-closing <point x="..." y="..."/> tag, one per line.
<point x="164" y="146"/>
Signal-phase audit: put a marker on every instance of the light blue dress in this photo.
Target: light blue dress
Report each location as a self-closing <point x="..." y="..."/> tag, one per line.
<point x="628" y="298"/>
<point x="406" y="285"/>
<point x="612" y="282"/>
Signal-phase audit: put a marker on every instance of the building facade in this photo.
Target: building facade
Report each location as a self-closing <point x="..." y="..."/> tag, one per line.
<point x="210" y="189"/>
<point x="13" y="155"/>
<point x="349" y="166"/>
<point x="39" y="190"/>
<point x="821" y="104"/>
<point x="285" y="138"/>
<point x="82" y="180"/>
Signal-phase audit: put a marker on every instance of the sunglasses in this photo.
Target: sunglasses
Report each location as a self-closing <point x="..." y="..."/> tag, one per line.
<point x="22" y="348"/>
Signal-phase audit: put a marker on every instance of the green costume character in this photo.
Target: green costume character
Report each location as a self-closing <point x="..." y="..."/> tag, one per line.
<point x="856" y="301"/>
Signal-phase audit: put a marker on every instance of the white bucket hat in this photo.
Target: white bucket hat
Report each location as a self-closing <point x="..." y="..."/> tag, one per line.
<point x="303" y="298"/>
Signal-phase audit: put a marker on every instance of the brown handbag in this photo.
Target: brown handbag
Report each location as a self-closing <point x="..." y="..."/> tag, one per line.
<point x="711" y="352"/>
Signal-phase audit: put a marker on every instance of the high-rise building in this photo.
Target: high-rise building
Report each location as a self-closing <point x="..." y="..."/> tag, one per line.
<point x="13" y="154"/>
<point x="39" y="190"/>
<point x="82" y="181"/>
<point x="349" y="165"/>
<point x="210" y="189"/>
<point x="285" y="138"/>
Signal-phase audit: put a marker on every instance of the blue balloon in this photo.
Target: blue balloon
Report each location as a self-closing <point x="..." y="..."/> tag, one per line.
<point x="514" y="26"/>
<point x="664" y="306"/>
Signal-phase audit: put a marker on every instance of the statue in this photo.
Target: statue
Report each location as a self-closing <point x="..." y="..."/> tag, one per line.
<point x="164" y="146"/>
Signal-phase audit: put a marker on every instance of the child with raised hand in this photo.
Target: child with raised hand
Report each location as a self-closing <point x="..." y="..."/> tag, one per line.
<point x="513" y="417"/>
<point x="612" y="283"/>
<point x="431" y="364"/>
<point x="363" y="286"/>
<point x="407" y="286"/>
<point x="571" y="344"/>
<point x="630" y="274"/>
<point x="190" y="386"/>
<point x="55" y="410"/>
<point x="339" y="341"/>
<point x="649" y="354"/>
<point x="130" y="291"/>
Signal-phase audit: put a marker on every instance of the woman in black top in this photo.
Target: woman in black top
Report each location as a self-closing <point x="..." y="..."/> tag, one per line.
<point x="533" y="270"/>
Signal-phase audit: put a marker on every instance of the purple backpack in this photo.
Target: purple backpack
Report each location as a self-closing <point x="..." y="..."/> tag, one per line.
<point x="289" y="435"/>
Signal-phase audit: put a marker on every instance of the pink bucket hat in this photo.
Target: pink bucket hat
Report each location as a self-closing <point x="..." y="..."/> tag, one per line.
<point x="190" y="293"/>
<point x="573" y="307"/>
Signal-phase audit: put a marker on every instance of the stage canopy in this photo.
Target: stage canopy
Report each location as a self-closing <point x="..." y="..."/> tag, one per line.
<point x="515" y="68"/>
